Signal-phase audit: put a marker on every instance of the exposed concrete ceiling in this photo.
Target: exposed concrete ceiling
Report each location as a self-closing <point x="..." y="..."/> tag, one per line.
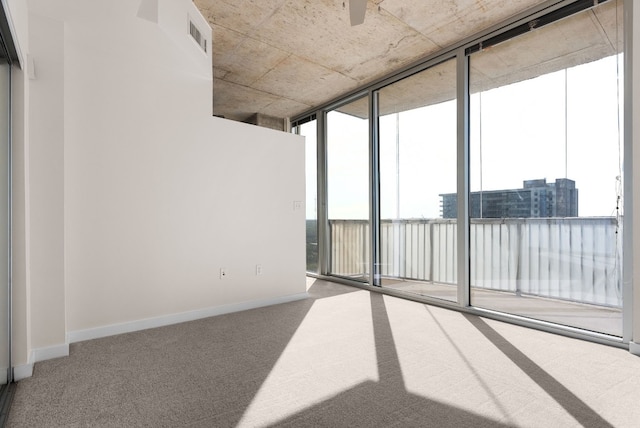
<point x="283" y="57"/>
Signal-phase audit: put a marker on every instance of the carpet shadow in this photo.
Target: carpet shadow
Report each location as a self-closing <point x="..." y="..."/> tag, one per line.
<point x="208" y="373"/>
<point x="170" y="376"/>
<point x="387" y="401"/>
<point x="577" y="408"/>
<point x="375" y="404"/>
<point x="321" y="289"/>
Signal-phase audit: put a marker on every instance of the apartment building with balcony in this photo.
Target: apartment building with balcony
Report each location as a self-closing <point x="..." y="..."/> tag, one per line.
<point x="536" y="198"/>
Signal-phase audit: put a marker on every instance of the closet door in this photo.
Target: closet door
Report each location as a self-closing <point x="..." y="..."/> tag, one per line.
<point x="5" y="295"/>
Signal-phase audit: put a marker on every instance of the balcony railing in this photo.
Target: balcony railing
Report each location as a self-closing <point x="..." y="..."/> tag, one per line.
<point x="575" y="259"/>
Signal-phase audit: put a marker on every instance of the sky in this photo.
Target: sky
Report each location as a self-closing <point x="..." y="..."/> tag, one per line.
<point x="518" y="132"/>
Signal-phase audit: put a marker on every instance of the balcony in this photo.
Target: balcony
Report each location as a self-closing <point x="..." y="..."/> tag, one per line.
<point x="562" y="270"/>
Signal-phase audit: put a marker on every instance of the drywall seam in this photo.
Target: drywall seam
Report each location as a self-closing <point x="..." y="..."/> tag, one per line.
<point x="148" y="10"/>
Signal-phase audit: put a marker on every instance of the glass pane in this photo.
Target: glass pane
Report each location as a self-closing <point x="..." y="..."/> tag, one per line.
<point x="417" y="169"/>
<point x="546" y="168"/>
<point x="348" y="189"/>
<point x="309" y="131"/>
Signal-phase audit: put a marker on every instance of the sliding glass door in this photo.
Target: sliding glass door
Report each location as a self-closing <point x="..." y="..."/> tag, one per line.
<point x="418" y="149"/>
<point x="546" y="174"/>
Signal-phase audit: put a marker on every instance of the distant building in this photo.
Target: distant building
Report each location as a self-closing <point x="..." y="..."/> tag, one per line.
<point x="537" y="198"/>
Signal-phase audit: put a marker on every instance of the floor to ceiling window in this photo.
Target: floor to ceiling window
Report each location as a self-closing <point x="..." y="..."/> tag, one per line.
<point x="418" y="146"/>
<point x="348" y="189"/>
<point x="537" y="140"/>
<point x="546" y="174"/>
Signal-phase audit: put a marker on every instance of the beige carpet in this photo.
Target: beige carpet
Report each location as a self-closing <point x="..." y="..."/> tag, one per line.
<point x="343" y="358"/>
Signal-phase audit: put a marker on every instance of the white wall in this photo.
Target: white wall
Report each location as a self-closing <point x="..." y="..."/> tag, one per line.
<point x="46" y="185"/>
<point x="633" y="109"/>
<point x="137" y="196"/>
<point x="18" y="17"/>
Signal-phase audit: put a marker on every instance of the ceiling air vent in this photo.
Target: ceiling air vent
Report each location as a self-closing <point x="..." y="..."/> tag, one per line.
<point x="197" y="36"/>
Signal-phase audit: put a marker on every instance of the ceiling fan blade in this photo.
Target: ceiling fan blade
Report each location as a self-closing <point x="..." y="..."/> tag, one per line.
<point x="357" y="8"/>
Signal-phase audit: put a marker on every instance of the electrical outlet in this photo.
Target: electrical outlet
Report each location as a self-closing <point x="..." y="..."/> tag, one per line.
<point x="258" y="269"/>
<point x="223" y="273"/>
<point x="297" y="205"/>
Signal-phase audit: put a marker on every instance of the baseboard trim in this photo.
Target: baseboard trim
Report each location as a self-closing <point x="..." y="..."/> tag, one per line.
<point x="22" y="371"/>
<point x="50" y="352"/>
<point x="129" y="327"/>
<point x="634" y="348"/>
